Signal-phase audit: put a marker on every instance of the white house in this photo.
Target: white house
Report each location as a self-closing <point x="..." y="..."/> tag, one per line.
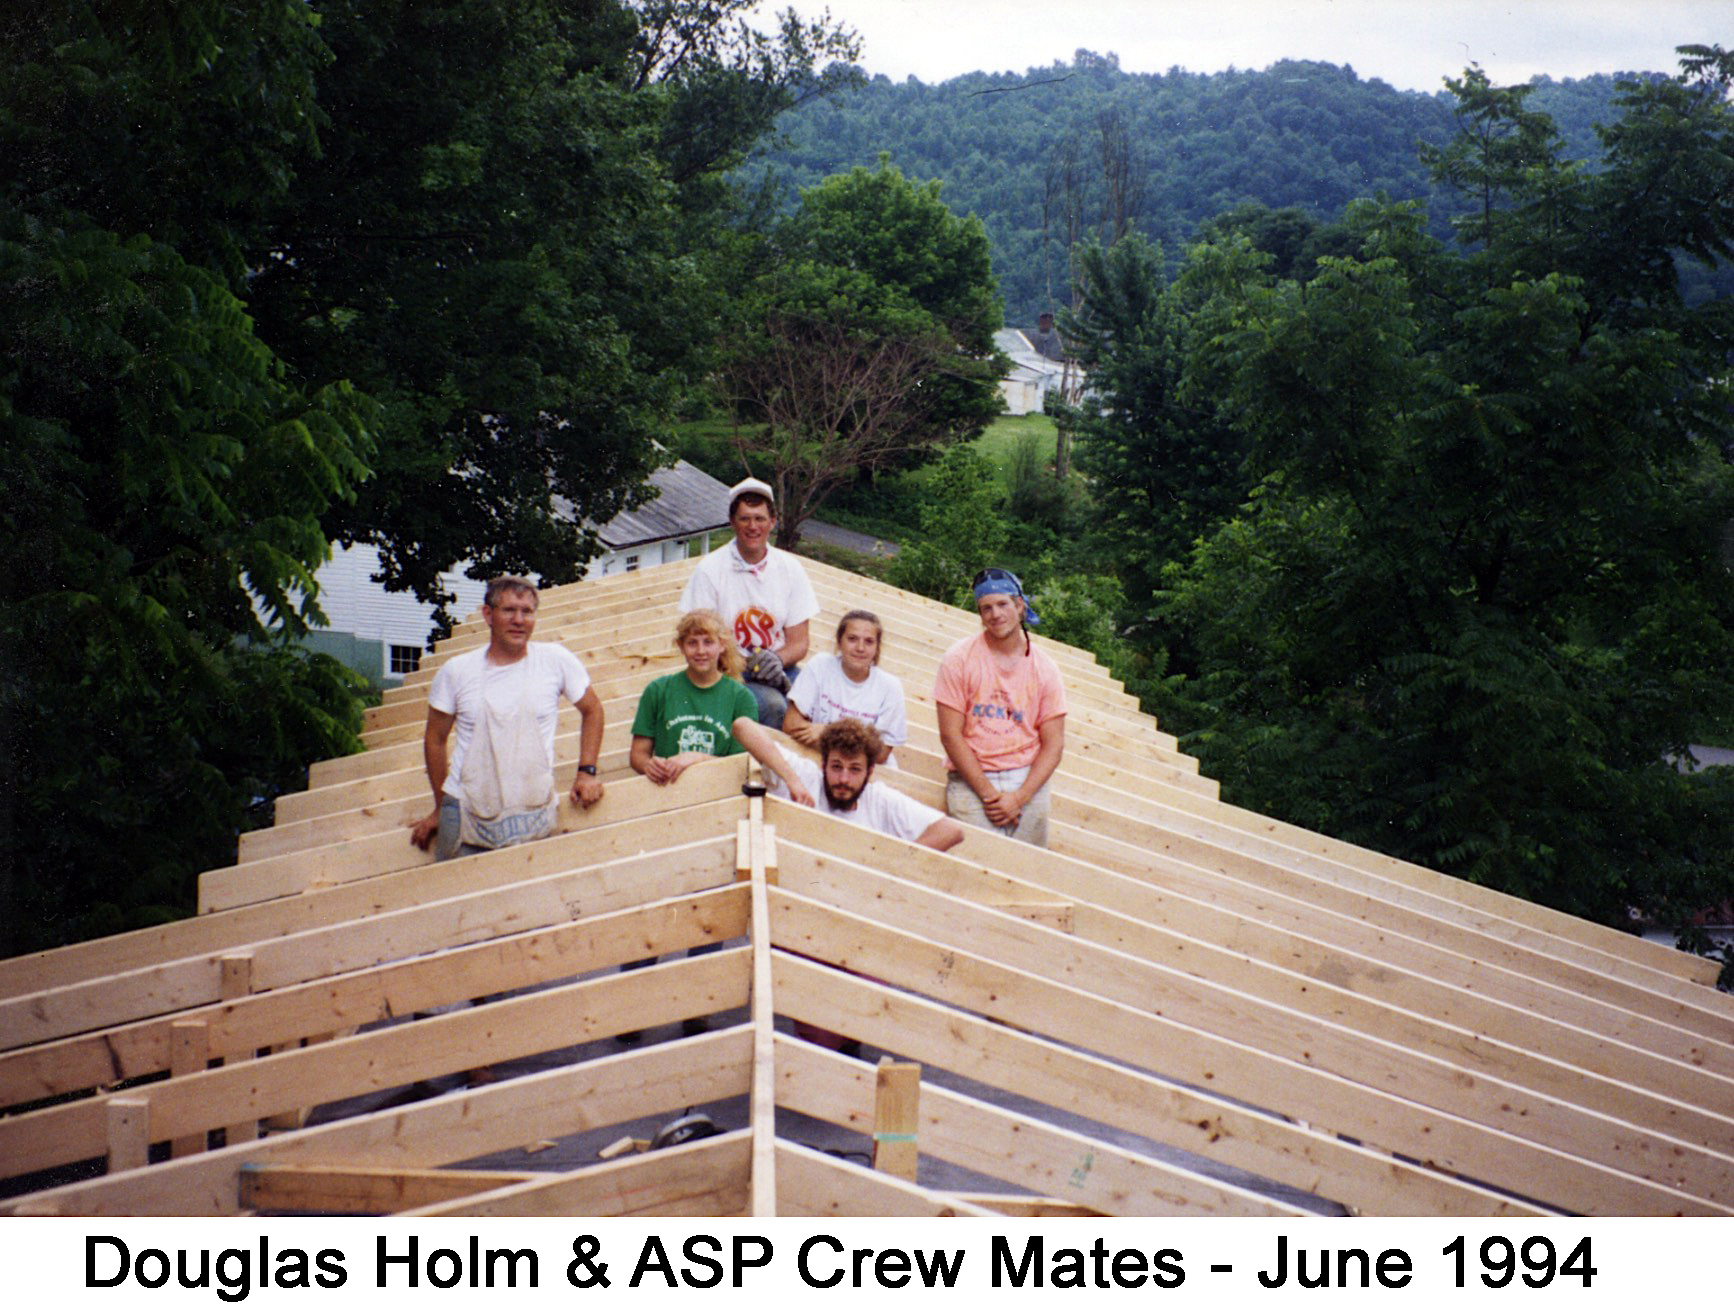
<point x="1033" y="374"/>
<point x="690" y="507"/>
<point x="382" y="634"/>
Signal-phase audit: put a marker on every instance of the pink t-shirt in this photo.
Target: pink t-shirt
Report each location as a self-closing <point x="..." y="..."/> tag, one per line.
<point x="1004" y="700"/>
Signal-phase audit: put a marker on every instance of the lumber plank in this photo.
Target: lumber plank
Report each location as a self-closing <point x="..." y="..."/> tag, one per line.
<point x="708" y="1177"/>
<point x="763" y="1176"/>
<point x="355" y="944"/>
<point x="189" y="1052"/>
<point x="397" y="800"/>
<point x="1016" y="1148"/>
<point x="1160" y="853"/>
<point x="1029" y="1207"/>
<point x="374" y="1061"/>
<point x="1180" y="929"/>
<point x="1383" y="1119"/>
<point x="445" y="976"/>
<point x="334" y="1189"/>
<point x="459" y="1126"/>
<point x="1468" y="1073"/>
<point x="1167" y="857"/>
<point x="235" y="979"/>
<point x="1459" y="1073"/>
<point x="390" y="851"/>
<point x="819" y="1186"/>
<point x="127" y="1121"/>
<point x="897" y="1118"/>
<point x="1518" y="922"/>
<point x="241" y="927"/>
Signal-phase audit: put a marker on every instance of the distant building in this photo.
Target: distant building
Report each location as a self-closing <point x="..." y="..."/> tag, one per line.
<point x="381" y="634"/>
<point x="689" y="509"/>
<point x="1034" y="374"/>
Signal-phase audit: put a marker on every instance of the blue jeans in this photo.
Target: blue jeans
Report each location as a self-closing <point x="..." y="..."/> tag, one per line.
<point x="773" y="704"/>
<point x="446" y="844"/>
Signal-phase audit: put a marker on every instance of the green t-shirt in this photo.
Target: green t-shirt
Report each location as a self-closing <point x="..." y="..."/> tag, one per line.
<point x="678" y="716"/>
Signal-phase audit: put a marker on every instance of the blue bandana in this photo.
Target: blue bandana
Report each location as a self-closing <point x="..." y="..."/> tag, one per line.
<point x="1003" y="582"/>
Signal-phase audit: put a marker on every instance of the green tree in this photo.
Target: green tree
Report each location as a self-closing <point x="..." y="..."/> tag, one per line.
<point x="511" y="239"/>
<point x="166" y="471"/>
<point x="252" y="250"/>
<point x="185" y="122"/>
<point x="869" y="336"/>
<point x="963" y="528"/>
<point x="1163" y="467"/>
<point x="1293" y="239"/>
<point x="485" y="246"/>
<point x="1501" y="150"/>
<point x="1477" y="602"/>
<point x="728" y="81"/>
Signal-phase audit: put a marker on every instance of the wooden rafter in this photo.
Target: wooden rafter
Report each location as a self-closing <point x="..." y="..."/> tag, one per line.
<point x="1181" y="1007"/>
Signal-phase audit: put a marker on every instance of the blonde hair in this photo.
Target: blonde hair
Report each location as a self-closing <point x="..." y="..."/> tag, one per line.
<point x="732" y="661"/>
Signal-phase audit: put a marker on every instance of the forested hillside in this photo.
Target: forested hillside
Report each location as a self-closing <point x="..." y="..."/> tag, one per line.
<point x="1055" y="154"/>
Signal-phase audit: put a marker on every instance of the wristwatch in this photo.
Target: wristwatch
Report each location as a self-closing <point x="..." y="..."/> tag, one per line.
<point x="587" y="768"/>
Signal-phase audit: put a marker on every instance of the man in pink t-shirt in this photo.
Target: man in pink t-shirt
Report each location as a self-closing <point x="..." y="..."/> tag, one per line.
<point x="1002" y="716"/>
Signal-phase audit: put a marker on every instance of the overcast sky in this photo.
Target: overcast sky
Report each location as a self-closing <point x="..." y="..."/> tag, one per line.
<point x="1412" y="44"/>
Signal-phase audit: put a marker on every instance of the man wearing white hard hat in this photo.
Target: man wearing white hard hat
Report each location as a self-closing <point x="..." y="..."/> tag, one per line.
<point x="762" y="593"/>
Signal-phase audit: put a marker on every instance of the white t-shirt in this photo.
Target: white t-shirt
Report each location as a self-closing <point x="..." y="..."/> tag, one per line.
<point x="824" y="694"/>
<point x="881" y="808"/>
<point x="758" y="601"/>
<point x="545" y="674"/>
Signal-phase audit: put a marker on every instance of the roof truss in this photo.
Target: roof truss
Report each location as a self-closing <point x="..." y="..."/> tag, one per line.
<point x="1181" y="1008"/>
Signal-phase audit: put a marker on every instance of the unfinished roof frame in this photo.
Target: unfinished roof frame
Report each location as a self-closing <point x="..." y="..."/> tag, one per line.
<point x="1224" y="1013"/>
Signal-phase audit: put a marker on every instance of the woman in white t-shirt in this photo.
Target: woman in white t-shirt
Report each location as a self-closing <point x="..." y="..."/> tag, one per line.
<point x="849" y="684"/>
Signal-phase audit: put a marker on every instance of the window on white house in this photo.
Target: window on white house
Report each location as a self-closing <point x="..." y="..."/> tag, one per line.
<point x="632" y="563"/>
<point x="405" y="659"/>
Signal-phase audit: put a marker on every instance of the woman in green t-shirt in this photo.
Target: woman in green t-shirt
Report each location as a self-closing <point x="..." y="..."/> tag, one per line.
<point x="703" y="710"/>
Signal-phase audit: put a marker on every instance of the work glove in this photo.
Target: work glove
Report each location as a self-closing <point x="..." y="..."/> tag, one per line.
<point x="767" y="667"/>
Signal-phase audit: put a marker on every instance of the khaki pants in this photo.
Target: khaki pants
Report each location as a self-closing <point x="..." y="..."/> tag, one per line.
<point x="964" y="805"/>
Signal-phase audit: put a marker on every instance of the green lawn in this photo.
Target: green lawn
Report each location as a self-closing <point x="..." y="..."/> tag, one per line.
<point x="1002" y="437"/>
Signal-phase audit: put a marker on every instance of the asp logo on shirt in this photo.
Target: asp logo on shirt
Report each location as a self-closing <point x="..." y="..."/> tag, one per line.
<point x="754" y="629"/>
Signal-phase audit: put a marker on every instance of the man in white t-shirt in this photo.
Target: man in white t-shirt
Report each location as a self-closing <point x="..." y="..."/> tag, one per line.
<point x="493" y="782"/>
<point x="843" y="784"/>
<point x="763" y="595"/>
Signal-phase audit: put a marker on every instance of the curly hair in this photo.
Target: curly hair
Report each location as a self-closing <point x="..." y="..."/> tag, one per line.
<point x="732" y="661"/>
<point x="850" y="737"/>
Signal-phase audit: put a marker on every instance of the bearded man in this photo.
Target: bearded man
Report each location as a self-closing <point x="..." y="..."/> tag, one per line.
<point x="843" y="783"/>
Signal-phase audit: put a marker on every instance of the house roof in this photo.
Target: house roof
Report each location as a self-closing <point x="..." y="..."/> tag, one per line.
<point x="1026" y="359"/>
<point x="1219" y="1012"/>
<point x="687" y="500"/>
